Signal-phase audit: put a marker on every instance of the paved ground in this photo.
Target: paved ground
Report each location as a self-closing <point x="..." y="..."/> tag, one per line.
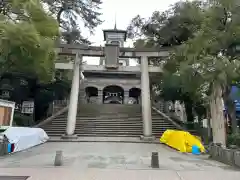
<point x="112" y="161"/>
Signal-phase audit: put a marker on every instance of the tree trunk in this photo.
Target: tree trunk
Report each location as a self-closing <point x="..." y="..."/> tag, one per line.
<point x="232" y="116"/>
<point x="209" y="124"/>
<point x="217" y="116"/>
<point x="189" y="111"/>
<point x="59" y="15"/>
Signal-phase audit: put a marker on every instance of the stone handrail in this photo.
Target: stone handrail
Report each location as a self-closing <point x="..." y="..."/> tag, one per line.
<point x="225" y="155"/>
<point x="168" y="118"/>
<point x="49" y="119"/>
<point x="61" y="102"/>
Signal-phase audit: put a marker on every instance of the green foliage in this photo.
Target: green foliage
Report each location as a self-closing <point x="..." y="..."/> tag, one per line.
<point x="69" y="12"/>
<point x="199" y="57"/>
<point x="28" y="40"/>
<point x="202" y="31"/>
<point x="169" y="28"/>
<point x="207" y="59"/>
<point x="233" y="139"/>
<point x="203" y="36"/>
<point x="22" y="120"/>
<point x="45" y="94"/>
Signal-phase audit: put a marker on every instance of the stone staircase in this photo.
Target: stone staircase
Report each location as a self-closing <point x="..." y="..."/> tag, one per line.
<point x="113" y="120"/>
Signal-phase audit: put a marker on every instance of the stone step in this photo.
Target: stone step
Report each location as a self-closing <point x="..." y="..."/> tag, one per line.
<point x="113" y="124"/>
<point x="115" y="131"/>
<point x="91" y="131"/>
<point x="104" y="134"/>
<point x="102" y="129"/>
<point x="156" y="124"/>
<point x="132" y="125"/>
<point x="103" y="115"/>
<point x="116" y="106"/>
<point x="109" y="119"/>
<point x="99" y="135"/>
<point x="104" y="123"/>
<point x="110" y="105"/>
<point x="82" y="115"/>
<point x="111" y="128"/>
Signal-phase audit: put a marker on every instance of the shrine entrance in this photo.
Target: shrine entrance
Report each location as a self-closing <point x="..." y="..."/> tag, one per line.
<point x="91" y="94"/>
<point x="113" y="95"/>
<point x="135" y="95"/>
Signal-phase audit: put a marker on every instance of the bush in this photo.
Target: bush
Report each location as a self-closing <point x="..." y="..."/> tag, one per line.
<point x="22" y="120"/>
<point x="233" y="139"/>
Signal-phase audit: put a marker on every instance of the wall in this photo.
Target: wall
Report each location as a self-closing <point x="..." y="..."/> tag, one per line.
<point x="126" y="84"/>
<point x="11" y="105"/>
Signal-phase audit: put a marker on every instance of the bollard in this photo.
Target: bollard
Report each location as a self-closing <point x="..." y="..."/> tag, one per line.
<point x="3" y="145"/>
<point x="155" y="160"/>
<point x="58" y="158"/>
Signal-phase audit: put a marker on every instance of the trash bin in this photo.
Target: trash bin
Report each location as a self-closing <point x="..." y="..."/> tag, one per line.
<point x="3" y="145"/>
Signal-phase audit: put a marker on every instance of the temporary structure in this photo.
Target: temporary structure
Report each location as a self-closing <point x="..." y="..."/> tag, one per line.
<point x="181" y="140"/>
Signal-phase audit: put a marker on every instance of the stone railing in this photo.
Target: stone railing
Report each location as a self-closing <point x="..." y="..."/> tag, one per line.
<point x="224" y="155"/>
<point x="49" y="119"/>
<point x="61" y="102"/>
<point x="159" y="107"/>
<point x="171" y="117"/>
<point x="178" y="126"/>
<point x="57" y="105"/>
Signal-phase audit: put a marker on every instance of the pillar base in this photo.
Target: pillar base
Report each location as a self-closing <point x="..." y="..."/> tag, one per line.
<point x="69" y="137"/>
<point x="147" y="138"/>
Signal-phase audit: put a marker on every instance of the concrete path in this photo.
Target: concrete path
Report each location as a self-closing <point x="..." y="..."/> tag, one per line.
<point x="103" y="161"/>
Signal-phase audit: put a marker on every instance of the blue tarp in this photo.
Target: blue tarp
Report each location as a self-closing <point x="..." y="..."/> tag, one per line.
<point x="235" y="95"/>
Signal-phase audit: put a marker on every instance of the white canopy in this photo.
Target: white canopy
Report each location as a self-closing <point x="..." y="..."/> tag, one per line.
<point x="25" y="137"/>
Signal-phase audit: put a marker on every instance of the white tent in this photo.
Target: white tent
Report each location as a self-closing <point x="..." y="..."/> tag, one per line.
<point x="25" y="137"/>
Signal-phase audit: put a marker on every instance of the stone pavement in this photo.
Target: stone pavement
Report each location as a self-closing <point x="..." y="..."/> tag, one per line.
<point x="125" y="161"/>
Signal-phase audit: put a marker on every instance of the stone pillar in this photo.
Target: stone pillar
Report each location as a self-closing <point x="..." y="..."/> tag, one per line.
<point x="100" y="97"/>
<point x="73" y="104"/>
<point x="126" y="97"/>
<point x="145" y="99"/>
<point x="102" y="59"/>
<point x="82" y="93"/>
<point x="127" y="62"/>
<point x="139" y="100"/>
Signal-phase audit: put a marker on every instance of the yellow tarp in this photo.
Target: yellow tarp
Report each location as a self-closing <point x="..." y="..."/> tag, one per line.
<point x="181" y="140"/>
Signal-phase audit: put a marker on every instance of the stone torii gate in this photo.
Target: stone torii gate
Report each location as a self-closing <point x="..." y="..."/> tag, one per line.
<point x="111" y="52"/>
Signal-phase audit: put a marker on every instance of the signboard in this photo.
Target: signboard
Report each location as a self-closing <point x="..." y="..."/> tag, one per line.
<point x="116" y="35"/>
<point x="28" y="107"/>
<point x="235" y="95"/>
<point x="6" y="113"/>
<point x="237" y="105"/>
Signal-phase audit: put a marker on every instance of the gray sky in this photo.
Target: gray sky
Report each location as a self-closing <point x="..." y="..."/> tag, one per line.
<point x="125" y="10"/>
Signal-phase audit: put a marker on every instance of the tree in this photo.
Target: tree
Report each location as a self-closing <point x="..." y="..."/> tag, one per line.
<point x="204" y="58"/>
<point x="69" y="12"/>
<point x="170" y="28"/>
<point x="47" y="93"/>
<point x="27" y="39"/>
<point x="202" y="63"/>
